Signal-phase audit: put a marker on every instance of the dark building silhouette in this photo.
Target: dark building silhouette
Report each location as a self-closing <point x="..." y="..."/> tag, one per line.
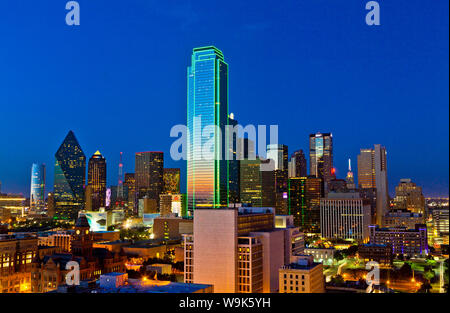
<point x="298" y="157"/>
<point x="70" y="175"/>
<point x="149" y="171"/>
<point x="97" y="181"/>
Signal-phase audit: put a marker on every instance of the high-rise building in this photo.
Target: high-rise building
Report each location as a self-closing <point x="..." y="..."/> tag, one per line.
<point x="233" y="164"/>
<point x="251" y="182"/>
<point x="97" y="181"/>
<point x="70" y="177"/>
<point x="313" y="193"/>
<point x="149" y="172"/>
<point x="344" y="216"/>
<point x="246" y="149"/>
<point x="298" y="161"/>
<point x="237" y="250"/>
<point x="207" y="170"/>
<point x="297" y="200"/>
<point x="372" y="173"/>
<point x="37" y="194"/>
<point x="350" y="179"/>
<point x="130" y="184"/>
<point x="281" y="192"/>
<point x="321" y="156"/>
<point x="171" y="179"/>
<point x="409" y="196"/>
<point x="279" y="154"/>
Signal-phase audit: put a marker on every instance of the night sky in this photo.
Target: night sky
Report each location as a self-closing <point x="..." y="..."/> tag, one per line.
<point x="119" y="79"/>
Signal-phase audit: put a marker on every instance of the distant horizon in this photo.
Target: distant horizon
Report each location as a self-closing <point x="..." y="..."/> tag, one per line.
<point x="119" y="80"/>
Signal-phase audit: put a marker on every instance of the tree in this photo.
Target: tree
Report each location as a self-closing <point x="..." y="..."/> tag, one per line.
<point x="338" y="256"/>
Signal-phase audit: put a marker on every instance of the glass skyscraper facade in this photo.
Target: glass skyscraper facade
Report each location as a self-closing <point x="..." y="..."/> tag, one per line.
<point x="70" y="176"/>
<point x="97" y="180"/>
<point x="37" y="194"/>
<point x="321" y="156"/>
<point x="207" y="176"/>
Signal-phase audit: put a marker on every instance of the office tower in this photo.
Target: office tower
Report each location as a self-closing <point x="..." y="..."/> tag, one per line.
<point x="37" y="194"/>
<point x="298" y="164"/>
<point x="403" y="218"/>
<point x="251" y="182"/>
<point x="149" y="171"/>
<point x="246" y="149"/>
<point x="281" y="192"/>
<point x="297" y="200"/>
<point x="408" y="196"/>
<point x="344" y="216"/>
<point x="302" y="276"/>
<point x="207" y="171"/>
<point x="268" y="189"/>
<point x="313" y="193"/>
<point x="171" y="179"/>
<point x="321" y="156"/>
<point x="440" y="226"/>
<point x="372" y="173"/>
<point x="233" y="164"/>
<point x="236" y="250"/>
<point x="370" y="194"/>
<point x="408" y="242"/>
<point x="279" y="154"/>
<point x="130" y="184"/>
<point x="97" y="180"/>
<point x="70" y="176"/>
<point x="350" y="179"/>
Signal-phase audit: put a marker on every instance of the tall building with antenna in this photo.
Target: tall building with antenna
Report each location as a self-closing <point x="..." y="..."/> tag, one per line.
<point x="350" y="178"/>
<point x="120" y="200"/>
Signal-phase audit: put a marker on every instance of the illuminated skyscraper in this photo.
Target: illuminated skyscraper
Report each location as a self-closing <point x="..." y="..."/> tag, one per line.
<point x="278" y="153"/>
<point x="70" y="176"/>
<point x="171" y="179"/>
<point x="207" y="171"/>
<point x="97" y="180"/>
<point x="298" y="162"/>
<point x="37" y="194"/>
<point x="233" y="165"/>
<point x="321" y="156"/>
<point x="251" y="182"/>
<point x="130" y="184"/>
<point x="313" y="193"/>
<point x="372" y="173"/>
<point x="408" y="196"/>
<point x="149" y="171"/>
<point x="350" y="179"/>
<point x="297" y="200"/>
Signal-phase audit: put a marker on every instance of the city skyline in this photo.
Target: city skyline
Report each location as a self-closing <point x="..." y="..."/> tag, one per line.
<point x="390" y="120"/>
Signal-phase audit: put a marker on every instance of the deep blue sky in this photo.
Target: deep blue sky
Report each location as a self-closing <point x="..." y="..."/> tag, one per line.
<point x="119" y="79"/>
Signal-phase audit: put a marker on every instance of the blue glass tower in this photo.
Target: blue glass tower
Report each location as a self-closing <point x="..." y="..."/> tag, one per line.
<point x="207" y="177"/>
<point x="37" y="194"/>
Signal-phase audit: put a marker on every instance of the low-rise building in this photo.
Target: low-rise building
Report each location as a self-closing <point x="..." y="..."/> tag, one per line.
<point x="16" y="255"/>
<point x="302" y="276"/>
<point x="408" y="242"/>
<point x="120" y="283"/>
<point x="321" y="255"/>
<point x="381" y="253"/>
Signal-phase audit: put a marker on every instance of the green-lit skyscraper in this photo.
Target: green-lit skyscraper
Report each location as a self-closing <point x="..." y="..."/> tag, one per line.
<point x="70" y="175"/>
<point x="207" y="176"/>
